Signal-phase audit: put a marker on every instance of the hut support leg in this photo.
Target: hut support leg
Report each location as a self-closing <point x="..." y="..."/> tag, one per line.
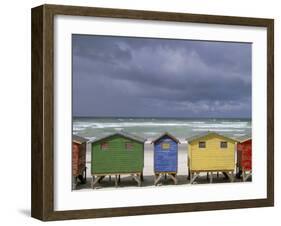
<point x="141" y="176"/>
<point x="246" y="176"/>
<point x="157" y="179"/>
<point x="95" y="180"/>
<point x="116" y="180"/>
<point x="193" y="176"/>
<point x="211" y="177"/>
<point x="101" y="178"/>
<point x="85" y="174"/>
<point x="243" y="175"/>
<point x="225" y="175"/>
<point x="238" y="173"/>
<point x="218" y="174"/>
<point x="174" y="178"/>
<point x="230" y="176"/>
<point x="109" y="178"/>
<point x="138" y="180"/>
<point x="82" y="177"/>
<point x="74" y="183"/>
<point x="119" y="178"/>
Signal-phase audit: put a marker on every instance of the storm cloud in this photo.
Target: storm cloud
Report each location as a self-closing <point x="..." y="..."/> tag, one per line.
<point x="148" y="77"/>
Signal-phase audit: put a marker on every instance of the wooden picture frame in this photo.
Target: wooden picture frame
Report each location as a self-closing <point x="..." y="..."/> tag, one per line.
<point x="42" y="203"/>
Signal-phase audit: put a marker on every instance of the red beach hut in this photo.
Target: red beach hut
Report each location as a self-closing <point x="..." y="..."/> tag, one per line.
<point x="78" y="160"/>
<point x="244" y="158"/>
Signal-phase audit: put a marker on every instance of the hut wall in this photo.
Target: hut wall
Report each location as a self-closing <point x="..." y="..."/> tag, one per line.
<point x="244" y="153"/>
<point x="75" y="159"/>
<point x="116" y="158"/>
<point x="82" y="157"/>
<point x="212" y="157"/>
<point x="165" y="160"/>
<point x="78" y="158"/>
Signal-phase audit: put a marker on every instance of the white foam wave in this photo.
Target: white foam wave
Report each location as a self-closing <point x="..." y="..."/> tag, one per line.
<point x="218" y="130"/>
<point x="230" y="125"/>
<point x="150" y="133"/>
<point x="76" y="128"/>
<point x="119" y="129"/>
<point x="198" y="122"/>
<point x="135" y="124"/>
<point x="239" y="134"/>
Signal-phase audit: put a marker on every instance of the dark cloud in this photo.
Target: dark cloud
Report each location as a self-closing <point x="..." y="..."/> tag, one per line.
<point x="120" y="76"/>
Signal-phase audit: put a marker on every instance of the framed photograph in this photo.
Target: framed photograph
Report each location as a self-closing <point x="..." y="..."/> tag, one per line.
<point x="142" y="112"/>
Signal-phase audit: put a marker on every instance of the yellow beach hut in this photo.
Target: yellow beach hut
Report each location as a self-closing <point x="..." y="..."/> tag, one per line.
<point x="211" y="152"/>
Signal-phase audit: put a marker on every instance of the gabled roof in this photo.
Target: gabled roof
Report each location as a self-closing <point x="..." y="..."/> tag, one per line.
<point x="122" y="134"/>
<point x="165" y="134"/>
<point x="244" y="138"/>
<point x="78" y="139"/>
<point x="201" y="135"/>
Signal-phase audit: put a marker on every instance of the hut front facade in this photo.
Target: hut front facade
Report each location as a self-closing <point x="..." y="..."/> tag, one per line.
<point x="117" y="154"/>
<point x="244" y="158"/>
<point x="165" y="157"/>
<point x="79" y="145"/>
<point x="211" y="152"/>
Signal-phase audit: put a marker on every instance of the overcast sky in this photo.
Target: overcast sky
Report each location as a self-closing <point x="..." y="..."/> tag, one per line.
<point x="145" y="77"/>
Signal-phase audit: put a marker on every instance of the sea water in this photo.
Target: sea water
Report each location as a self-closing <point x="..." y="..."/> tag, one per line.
<point x="149" y="128"/>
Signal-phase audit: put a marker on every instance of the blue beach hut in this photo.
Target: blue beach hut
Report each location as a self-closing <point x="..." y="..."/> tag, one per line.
<point x="165" y="157"/>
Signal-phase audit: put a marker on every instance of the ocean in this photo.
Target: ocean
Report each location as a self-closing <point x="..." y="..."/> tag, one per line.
<point x="149" y="128"/>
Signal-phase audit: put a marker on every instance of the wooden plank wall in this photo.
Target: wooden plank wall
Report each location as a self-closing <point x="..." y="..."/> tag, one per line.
<point x="165" y="160"/>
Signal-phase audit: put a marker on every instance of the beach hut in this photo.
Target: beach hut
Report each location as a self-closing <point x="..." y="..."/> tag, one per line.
<point x="165" y="157"/>
<point x="117" y="154"/>
<point x="211" y="152"/>
<point x="78" y="160"/>
<point x="244" y="158"/>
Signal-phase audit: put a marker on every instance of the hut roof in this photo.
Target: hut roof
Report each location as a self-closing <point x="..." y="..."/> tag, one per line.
<point x="123" y="134"/>
<point x="165" y="134"/>
<point x="201" y="135"/>
<point x="78" y="139"/>
<point x="244" y="138"/>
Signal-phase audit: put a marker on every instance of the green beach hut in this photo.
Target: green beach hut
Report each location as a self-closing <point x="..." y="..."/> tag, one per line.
<point x="117" y="154"/>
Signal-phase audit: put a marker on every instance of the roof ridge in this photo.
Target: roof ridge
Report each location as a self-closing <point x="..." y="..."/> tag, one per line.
<point x="79" y="139"/>
<point x="165" y="134"/>
<point x="203" y="134"/>
<point x="121" y="133"/>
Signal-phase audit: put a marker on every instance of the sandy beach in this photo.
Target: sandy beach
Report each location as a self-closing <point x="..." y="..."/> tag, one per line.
<point x="148" y="173"/>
